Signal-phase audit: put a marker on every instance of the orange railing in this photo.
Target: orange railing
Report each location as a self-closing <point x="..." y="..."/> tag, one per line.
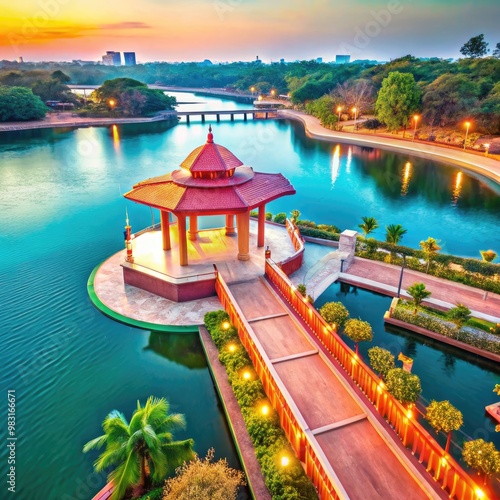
<point x="293" y="262"/>
<point x="443" y="468"/>
<point x="298" y="434"/>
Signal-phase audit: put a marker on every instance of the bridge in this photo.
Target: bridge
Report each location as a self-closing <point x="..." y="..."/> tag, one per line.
<point x="262" y="113"/>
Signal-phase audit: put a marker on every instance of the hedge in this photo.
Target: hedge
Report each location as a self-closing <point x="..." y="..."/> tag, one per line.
<point x="267" y="436"/>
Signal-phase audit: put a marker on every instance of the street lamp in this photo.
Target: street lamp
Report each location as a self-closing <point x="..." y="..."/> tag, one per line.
<point x="252" y="90"/>
<point x="415" y="119"/>
<point x="273" y="92"/>
<point x="401" y="275"/>
<point x="111" y="103"/>
<point x="467" y="125"/>
<point x="355" y="111"/>
<point x="486" y="148"/>
<point x="339" y="110"/>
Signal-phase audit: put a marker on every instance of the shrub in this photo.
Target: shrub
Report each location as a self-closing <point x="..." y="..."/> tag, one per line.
<point x="269" y="216"/>
<point x="459" y="315"/>
<point x="318" y="233"/>
<point x="381" y="360"/>
<point x="334" y="312"/>
<point x="404" y="386"/>
<point x="329" y="228"/>
<point x="372" y="124"/>
<point x="280" y="218"/>
<point x="254" y="213"/>
<point x="302" y="289"/>
<point x="306" y="223"/>
<point x="482" y="456"/>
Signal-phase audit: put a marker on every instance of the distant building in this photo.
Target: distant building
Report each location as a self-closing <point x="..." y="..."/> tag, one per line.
<point x="20" y="59"/>
<point x="282" y="61"/>
<point x="257" y="60"/>
<point x="342" y="59"/>
<point x="129" y="58"/>
<point x="112" y="58"/>
<point x="319" y="60"/>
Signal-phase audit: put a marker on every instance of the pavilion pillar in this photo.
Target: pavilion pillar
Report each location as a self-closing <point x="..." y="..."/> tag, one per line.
<point x="165" y="230"/>
<point x="181" y="226"/>
<point x="193" y="227"/>
<point x="261" y="225"/>
<point x="230" y="224"/>
<point x="243" y="221"/>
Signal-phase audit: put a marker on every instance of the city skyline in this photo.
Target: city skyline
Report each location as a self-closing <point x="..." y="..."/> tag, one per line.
<point x="232" y="30"/>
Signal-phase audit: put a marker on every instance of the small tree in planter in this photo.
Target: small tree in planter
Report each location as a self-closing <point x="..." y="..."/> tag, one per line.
<point x="334" y="313"/>
<point x="459" y="315"/>
<point x="443" y="416"/>
<point x="418" y="293"/>
<point x="358" y="331"/>
<point x="381" y="360"/>
<point x="404" y="386"/>
<point x="430" y="248"/>
<point x="482" y="456"/>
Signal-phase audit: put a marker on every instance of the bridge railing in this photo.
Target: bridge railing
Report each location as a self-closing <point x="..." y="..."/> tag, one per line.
<point x="442" y="467"/>
<point x="297" y="431"/>
<point x="293" y="262"/>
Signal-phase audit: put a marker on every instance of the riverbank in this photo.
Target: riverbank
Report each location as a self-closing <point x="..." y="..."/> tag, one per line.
<point x="479" y="164"/>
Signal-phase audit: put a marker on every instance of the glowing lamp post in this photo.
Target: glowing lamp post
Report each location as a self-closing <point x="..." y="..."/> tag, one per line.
<point x="112" y="103"/>
<point x="252" y="90"/>
<point x="355" y="111"/>
<point x="415" y="119"/>
<point x="486" y="149"/>
<point x="273" y="93"/>
<point x="467" y="125"/>
<point x="339" y="110"/>
<point x="128" y="240"/>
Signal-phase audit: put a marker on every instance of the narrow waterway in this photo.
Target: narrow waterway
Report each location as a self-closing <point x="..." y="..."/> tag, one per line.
<point x="62" y="212"/>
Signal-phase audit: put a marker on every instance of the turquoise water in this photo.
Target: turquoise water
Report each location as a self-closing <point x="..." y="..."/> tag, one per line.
<point x="464" y="379"/>
<point x="62" y="212"/>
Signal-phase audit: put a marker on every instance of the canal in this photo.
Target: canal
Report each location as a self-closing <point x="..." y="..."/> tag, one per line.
<point x="62" y="212"/>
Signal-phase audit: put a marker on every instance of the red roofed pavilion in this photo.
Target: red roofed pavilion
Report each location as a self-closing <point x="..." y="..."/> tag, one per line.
<point x="211" y="181"/>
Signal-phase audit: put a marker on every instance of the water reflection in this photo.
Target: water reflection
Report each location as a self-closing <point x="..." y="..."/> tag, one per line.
<point x="406" y="179"/>
<point x="457" y="189"/>
<point x="335" y="163"/>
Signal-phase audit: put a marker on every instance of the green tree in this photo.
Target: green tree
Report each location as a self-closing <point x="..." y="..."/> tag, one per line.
<point x="418" y="293"/>
<point x="394" y="233"/>
<point x="430" y="248"/>
<point x="397" y="100"/>
<point x="20" y="104"/>
<point x="358" y="331"/>
<point x="142" y="450"/>
<point x="369" y="225"/>
<point x="459" y="315"/>
<point x="381" y="360"/>
<point x="496" y="51"/>
<point x="60" y="76"/>
<point x="443" y="416"/>
<point x="202" y="479"/>
<point x="482" y="456"/>
<point x="323" y="109"/>
<point x="488" y="255"/>
<point x="404" y="386"/>
<point x="294" y="215"/>
<point x="334" y="313"/>
<point x="496" y="389"/>
<point x="475" y="47"/>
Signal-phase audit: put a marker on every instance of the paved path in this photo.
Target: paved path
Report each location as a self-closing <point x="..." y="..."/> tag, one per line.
<point x="488" y="167"/>
<point x="362" y="453"/>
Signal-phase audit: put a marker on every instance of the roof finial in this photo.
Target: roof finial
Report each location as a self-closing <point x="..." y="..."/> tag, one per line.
<point x="210" y="136"/>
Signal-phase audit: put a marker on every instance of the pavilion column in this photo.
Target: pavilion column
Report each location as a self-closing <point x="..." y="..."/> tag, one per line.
<point x="243" y="221"/>
<point x="193" y="227"/>
<point x="181" y="226"/>
<point x="165" y="229"/>
<point x="230" y="224"/>
<point x="261" y="225"/>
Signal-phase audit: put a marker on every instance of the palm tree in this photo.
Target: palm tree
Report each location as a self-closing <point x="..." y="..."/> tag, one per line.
<point x="369" y="225"/>
<point x="142" y="450"/>
<point x="430" y="248"/>
<point x="418" y="293"/>
<point x="295" y="214"/>
<point x="394" y="233"/>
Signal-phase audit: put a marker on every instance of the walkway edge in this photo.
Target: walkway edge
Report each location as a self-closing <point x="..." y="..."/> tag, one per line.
<point x="241" y="438"/>
<point x="130" y="321"/>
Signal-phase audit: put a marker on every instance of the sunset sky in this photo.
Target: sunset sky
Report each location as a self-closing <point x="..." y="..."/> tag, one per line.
<point x="229" y="30"/>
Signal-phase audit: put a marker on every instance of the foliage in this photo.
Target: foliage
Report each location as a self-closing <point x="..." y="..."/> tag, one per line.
<point x="280" y="218"/>
<point x="459" y="315"/>
<point x="496" y="389"/>
<point x="496" y="51"/>
<point x="294" y="215"/>
<point x="488" y="255"/>
<point x="323" y="109"/>
<point x="418" y="293"/>
<point x="143" y="449"/>
<point x="397" y="100"/>
<point x="475" y="47"/>
<point x="381" y="360"/>
<point x="394" y="233"/>
<point x="482" y="456"/>
<point x="443" y="416"/>
<point x="334" y="312"/>
<point x="372" y="124"/>
<point x="131" y="97"/>
<point x="430" y="248"/>
<point x="202" y="479"/>
<point x="369" y="225"/>
<point x="318" y="233"/>
<point x="404" y="386"/>
<point x="358" y="330"/>
<point x="20" y="104"/>
<point x="354" y="94"/>
<point x="269" y="216"/>
<point x="302" y="289"/>
<point x="267" y="436"/>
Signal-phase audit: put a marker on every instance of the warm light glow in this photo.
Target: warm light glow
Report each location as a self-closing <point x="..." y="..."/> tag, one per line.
<point x="246" y="375"/>
<point x="354" y="359"/>
<point x="232" y="348"/>
<point x="273" y="92"/>
<point x="116" y="137"/>
<point x="252" y="89"/>
<point x="486" y="148"/>
<point x="112" y="102"/>
<point x="409" y="414"/>
<point x="457" y="190"/>
<point x="335" y="163"/>
<point x="285" y="461"/>
<point x="406" y="179"/>
<point x="444" y="461"/>
<point x="265" y="410"/>
<point x="226" y="325"/>
<point x="479" y="493"/>
<point x="354" y="110"/>
<point x="260" y="98"/>
<point x="339" y="109"/>
<point x="416" y="117"/>
<point x="467" y="124"/>
<point x="299" y="434"/>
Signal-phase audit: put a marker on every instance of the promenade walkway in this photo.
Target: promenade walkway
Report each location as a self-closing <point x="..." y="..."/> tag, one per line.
<point x="361" y="450"/>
